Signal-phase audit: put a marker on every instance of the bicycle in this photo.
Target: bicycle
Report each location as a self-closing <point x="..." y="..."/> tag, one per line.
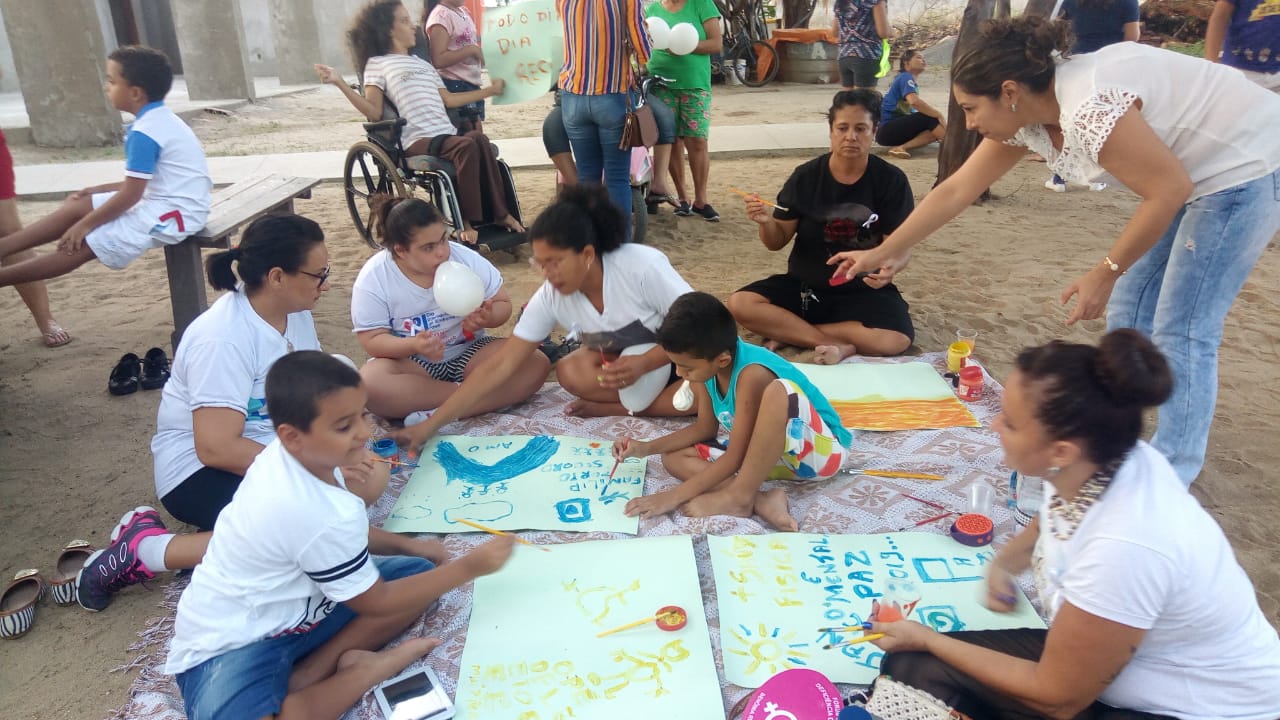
<point x="746" y="48"/>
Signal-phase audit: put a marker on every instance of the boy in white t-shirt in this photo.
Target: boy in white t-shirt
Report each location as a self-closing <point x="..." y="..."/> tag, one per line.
<point x="288" y="581"/>
<point x="164" y="196"/>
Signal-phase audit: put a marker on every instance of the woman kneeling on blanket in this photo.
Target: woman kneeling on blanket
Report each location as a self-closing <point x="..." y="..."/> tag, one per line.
<point x="614" y="295"/>
<point x="1151" y="614"/>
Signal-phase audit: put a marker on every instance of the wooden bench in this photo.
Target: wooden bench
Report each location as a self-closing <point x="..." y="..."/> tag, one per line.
<point x="232" y="207"/>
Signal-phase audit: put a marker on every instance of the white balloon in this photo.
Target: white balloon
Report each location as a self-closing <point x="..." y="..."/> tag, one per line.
<point x="458" y="290"/>
<point x="683" y="399"/>
<point x="683" y="39"/>
<point x="640" y="394"/>
<point x="659" y="32"/>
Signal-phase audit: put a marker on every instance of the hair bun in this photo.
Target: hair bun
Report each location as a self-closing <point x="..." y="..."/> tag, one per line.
<point x="1132" y="370"/>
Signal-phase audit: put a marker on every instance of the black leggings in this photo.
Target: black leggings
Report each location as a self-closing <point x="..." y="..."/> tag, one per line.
<point x="198" y="499"/>
<point x="962" y="692"/>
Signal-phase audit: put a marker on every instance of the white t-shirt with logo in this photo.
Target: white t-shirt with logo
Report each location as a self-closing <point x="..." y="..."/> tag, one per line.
<point x="384" y="297"/>
<point x="639" y="286"/>
<point x="222" y="362"/>
<point x="289" y="547"/>
<point x="414" y="86"/>
<point x="1148" y="556"/>
<point x="161" y="149"/>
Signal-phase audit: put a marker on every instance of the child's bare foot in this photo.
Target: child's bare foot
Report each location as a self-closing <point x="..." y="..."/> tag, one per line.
<point x="511" y="223"/>
<point x="386" y="663"/>
<point x="772" y="506"/>
<point x="720" y="502"/>
<point x="832" y="354"/>
<point x="773" y="345"/>
<point x="468" y="236"/>
<point x="591" y="408"/>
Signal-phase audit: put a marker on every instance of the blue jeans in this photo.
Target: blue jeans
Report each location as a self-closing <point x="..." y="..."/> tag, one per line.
<point x="594" y="124"/>
<point x="1179" y="293"/>
<point x="252" y="681"/>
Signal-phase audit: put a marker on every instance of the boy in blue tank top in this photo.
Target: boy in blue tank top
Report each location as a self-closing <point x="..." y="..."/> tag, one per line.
<point x="780" y="426"/>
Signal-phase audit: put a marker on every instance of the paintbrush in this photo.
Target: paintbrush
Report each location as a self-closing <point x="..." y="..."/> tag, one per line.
<point x="855" y="641"/>
<point x="754" y="196"/>
<point x="930" y="503"/>
<point x="496" y="531"/>
<point x="617" y="461"/>
<point x="896" y="474"/>
<point x="935" y="518"/>
<point x="397" y="462"/>
<point x="637" y="623"/>
<point x="847" y="628"/>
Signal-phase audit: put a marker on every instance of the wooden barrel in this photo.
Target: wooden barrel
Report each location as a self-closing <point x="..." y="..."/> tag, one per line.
<point x="813" y="63"/>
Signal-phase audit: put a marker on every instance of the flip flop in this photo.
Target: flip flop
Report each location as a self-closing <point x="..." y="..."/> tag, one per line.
<point x="55" y="336"/>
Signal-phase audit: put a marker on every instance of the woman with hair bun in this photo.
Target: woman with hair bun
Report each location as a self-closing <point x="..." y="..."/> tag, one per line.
<point x="610" y="294"/>
<point x="1151" y="616"/>
<point x="420" y="353"/>
<point x="1167" y="126"/>
<point x="213" y="420"/>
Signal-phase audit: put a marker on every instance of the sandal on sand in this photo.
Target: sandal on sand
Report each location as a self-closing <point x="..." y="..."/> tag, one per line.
<point x="18" y="603"/>
<point x="55" y="336"/>
<point x="899" y="153"/>
<point x="62" y="589"/>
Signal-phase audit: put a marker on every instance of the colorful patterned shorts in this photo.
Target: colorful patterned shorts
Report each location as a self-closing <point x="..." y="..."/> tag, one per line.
<point x="811" y="451"/>
<point x="692" y="109"/>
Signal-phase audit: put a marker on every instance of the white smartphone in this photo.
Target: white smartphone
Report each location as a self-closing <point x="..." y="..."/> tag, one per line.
<point x="414" y="695"/>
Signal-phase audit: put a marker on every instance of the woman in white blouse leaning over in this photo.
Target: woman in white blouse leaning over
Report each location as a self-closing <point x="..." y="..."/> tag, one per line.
<point x="1169" y="127"/>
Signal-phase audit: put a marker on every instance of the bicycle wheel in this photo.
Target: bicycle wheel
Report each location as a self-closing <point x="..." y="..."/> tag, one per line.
<point x="760" y="66"/>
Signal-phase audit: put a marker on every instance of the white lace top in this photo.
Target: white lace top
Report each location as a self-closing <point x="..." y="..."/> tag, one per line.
<point x="1220" y="125"/>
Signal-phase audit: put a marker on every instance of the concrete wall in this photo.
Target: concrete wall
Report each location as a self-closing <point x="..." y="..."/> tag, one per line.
<point x="332" y="16"/>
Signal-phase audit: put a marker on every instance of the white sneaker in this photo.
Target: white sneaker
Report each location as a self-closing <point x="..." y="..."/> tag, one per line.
<point x="415" y="418"/>
<point x="1054" y="186"/>
<point x="1097" y="187"/>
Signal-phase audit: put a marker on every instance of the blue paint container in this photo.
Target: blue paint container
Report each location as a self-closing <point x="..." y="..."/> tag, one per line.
<point x="385" y="447"/>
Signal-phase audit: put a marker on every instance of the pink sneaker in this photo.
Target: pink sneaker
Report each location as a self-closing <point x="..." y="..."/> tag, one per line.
<point x="116" y="567"/>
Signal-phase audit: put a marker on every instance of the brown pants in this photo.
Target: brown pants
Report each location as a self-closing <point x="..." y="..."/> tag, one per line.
<point x="476" y="175"/>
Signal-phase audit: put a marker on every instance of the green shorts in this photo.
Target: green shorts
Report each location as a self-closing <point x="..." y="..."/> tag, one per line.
<point x="692" y="109"/>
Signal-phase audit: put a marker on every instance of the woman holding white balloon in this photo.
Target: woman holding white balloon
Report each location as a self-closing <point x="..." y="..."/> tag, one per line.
<point x="614" y="295"/>
<point x="685" y="34"/>
<point x="420" y="308"/>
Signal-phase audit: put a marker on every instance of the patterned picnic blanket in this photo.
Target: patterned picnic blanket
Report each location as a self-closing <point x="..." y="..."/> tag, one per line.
<point x="849" y="503"/>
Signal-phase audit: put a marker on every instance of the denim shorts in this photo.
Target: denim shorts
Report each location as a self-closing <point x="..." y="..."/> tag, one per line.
<point x="252" y="681"/>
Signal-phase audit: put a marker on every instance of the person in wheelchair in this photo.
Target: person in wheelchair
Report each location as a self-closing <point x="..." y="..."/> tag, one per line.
<point x="380" y="38"/>
<point x="420" y="353"/>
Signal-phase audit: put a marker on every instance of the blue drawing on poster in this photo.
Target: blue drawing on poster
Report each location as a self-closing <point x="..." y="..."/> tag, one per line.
<point x="485" y="511"/>
<point x="530" y="457"/>
<point x="574" y="510"/>
<point x="943" y="618"/>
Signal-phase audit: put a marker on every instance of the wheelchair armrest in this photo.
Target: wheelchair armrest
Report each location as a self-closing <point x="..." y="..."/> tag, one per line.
<point x="385" y="125"/>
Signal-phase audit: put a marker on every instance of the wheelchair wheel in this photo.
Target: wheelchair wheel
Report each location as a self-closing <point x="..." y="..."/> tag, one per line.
<point x="369" y="171"/>
<point x="761" y="64"/>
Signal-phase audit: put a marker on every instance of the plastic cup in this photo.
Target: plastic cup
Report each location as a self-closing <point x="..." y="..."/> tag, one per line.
<point x="968" y="337"/>
<point x="981" y="498"/>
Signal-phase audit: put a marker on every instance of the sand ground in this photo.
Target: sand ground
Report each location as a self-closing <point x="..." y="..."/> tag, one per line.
<point x="73" y="457"/>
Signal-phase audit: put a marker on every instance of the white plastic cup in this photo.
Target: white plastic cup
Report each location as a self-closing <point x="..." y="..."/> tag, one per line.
<point x="981" y="498"/>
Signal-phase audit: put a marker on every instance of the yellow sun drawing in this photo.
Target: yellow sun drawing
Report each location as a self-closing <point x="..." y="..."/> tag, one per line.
<point x="769" y="648"/>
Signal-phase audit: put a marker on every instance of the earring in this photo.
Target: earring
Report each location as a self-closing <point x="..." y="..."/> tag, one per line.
<point x="1053" y="471"/>
<point x="1013" y="107"/>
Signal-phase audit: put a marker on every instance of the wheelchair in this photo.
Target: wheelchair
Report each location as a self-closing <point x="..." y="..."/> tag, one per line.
<point x="378" y="164"/>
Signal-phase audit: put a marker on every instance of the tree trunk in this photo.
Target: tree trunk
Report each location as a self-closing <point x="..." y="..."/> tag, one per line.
<point x="960" y="141"/>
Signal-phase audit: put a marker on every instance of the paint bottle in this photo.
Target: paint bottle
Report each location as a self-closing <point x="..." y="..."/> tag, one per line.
<point x="956" y="355"/>
<point x="969" y="387"/>
<point x="385" y="448"/>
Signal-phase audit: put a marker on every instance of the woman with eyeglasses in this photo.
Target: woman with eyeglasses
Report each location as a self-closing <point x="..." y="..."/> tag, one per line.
<point x="420" y="353"/>
<point x="610" y="294"/>
<point x="213" y="419"/>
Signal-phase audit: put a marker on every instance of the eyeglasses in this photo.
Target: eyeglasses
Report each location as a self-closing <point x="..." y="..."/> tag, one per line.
<point x="321" y="278"/>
